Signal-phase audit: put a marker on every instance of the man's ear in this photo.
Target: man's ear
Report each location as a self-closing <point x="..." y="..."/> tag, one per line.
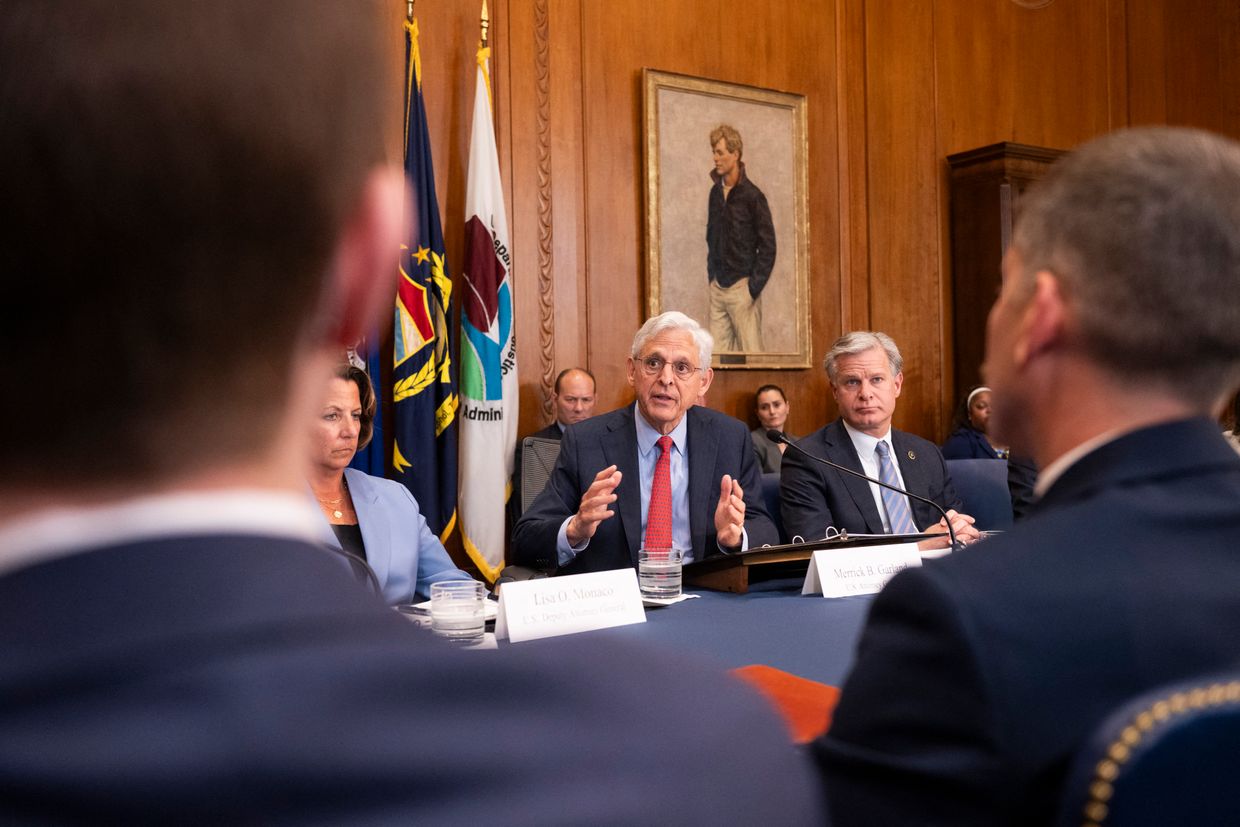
<point x="1043" y="321"/>
<point x="363" y="277"/>
<point x="707" y="378"/>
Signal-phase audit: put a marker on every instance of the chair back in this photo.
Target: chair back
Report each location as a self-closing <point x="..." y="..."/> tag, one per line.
<point x="538" y="458"/>
<point x="983" y="488"/>
<point x="770" y="498"/>
<point x="1169" y="756"/>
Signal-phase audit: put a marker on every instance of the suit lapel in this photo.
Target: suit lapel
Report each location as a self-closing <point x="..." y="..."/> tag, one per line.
<point x="620" y="450"/>
<point x="912" y="468"/>
<point x="376" y="527"/>
<point x="840" y="450"/>
<point x="702" y="446"/>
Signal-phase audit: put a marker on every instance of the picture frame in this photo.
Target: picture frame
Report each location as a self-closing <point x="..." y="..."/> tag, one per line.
<point x="708" y="243"/>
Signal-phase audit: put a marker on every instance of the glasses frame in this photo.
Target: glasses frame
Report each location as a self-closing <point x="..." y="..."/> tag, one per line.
<point x="647" y="365"/>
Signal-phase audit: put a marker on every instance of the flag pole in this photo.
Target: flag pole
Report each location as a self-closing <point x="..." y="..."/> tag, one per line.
<point x="486" y="23"/>
<point x="409" y="11"/>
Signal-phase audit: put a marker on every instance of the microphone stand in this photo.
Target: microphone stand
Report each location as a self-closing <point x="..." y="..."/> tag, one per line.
<point x="777" y="436"/>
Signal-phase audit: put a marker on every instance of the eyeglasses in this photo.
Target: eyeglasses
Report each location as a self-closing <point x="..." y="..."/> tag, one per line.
<point x="653" y="366"/>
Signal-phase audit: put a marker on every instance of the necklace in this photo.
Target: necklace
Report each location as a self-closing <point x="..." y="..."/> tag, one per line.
<point x="334" y="505"/>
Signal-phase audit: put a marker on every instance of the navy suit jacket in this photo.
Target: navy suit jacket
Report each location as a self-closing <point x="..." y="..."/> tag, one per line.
<point x="980" y="674"/>
<point x="251" y="680"/>
<point x="813" y="496"/>
<point x="401" y="549"/>
<point x="716" y="444"/>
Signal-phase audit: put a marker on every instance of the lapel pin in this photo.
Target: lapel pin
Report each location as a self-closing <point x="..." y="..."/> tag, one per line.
<point x="912" y="455"/>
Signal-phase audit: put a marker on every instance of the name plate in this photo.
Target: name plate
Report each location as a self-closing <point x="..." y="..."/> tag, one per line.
<point x="532" y="609"/>
<point x="848" y="571"/>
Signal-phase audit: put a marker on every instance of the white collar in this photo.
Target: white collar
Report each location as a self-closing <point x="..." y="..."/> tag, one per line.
<point x="866" y="444"/>
<point x="647" y="436"/>
<point x="59" y="531"/>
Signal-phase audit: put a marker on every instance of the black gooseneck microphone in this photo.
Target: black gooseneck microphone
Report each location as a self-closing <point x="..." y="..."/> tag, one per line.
<point x="779" y="436"/>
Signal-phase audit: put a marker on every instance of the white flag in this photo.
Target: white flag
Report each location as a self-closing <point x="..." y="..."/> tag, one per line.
<point x="488" y="361"/>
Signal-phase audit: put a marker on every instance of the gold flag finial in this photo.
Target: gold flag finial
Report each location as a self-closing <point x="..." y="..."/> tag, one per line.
<point x="486" y="22"/>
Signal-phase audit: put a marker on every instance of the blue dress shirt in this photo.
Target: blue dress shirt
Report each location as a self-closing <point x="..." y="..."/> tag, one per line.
<point x="647" y="457"/>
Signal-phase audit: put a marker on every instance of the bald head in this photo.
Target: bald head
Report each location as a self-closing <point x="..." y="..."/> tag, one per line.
<point x="574" y="395"/>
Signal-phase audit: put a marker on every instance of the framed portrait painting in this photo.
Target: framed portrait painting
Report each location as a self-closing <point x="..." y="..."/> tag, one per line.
<point x="727" y="229"/>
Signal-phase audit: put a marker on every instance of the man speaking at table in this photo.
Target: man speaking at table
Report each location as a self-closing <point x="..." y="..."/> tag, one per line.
<point x="200" y="211"/>
<point x="679" y="474"/>
<point x="865" y="370"/>
<point x="1113" y="342"/>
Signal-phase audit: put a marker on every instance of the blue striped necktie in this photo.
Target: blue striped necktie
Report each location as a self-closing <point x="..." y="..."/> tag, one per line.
<point x="898" y="515"/>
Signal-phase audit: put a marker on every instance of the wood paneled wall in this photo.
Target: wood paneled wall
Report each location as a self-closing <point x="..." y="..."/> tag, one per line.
<point x="893" y="86"/>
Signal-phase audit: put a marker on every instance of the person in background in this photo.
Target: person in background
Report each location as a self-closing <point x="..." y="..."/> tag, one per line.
<point x="573" y="398"/>
<point x="969" y="439"/>
<point x="372" y="518"/>
<point x="772" y="407"/>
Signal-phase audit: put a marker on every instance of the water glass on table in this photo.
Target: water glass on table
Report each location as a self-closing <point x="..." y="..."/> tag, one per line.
<point x="457" y="609"/>
<point x="658" y="572"/>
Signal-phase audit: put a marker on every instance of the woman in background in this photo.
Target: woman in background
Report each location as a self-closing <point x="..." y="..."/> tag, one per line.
<point x="373" y="518"/>
<point x="772" y="408"/>
<point x="969" y="440"/>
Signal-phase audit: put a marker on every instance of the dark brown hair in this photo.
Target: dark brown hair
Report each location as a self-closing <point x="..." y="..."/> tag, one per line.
<point x="366" y="394"/>
<point x="758" y="393"/>
<point x="174" y="179"/>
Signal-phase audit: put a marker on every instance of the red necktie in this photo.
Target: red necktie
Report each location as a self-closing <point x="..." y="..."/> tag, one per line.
<point x="659" y="513"/>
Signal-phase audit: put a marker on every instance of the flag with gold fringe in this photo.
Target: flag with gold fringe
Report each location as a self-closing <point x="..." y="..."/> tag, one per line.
<point x="488" y="344"/>
<point x="424" y="396"/>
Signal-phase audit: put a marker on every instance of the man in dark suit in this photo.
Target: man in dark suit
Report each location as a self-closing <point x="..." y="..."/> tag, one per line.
<point x="202" y="213"/>
<point x="866" y="373"/>
<point x="713" y="487"/>
<point x="1111" y="347"/>
<point x="573" y="398"/>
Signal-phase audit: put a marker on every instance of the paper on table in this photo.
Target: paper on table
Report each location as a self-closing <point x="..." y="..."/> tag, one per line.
<point x="666" y="601"/>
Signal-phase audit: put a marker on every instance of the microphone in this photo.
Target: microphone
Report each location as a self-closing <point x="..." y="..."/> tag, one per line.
<point x="775" y="435"/>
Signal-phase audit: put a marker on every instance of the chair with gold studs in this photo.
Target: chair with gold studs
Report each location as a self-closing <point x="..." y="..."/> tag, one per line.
<point x="1169" y="756"/>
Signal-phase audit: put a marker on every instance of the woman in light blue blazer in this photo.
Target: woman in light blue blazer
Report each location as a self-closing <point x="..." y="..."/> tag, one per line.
<point x="373" y="518"/>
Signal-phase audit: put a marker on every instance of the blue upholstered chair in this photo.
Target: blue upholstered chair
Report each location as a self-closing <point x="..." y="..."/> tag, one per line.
<point x="770" y="498"/>
<point x="1170" y="756"/>
<point x="983" y="488"/>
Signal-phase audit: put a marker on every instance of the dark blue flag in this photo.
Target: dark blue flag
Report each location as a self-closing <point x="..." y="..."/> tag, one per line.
<point x="424" y="397"/>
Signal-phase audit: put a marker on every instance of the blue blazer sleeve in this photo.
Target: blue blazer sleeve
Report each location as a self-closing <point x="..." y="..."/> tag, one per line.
<point x="405" y="554"/>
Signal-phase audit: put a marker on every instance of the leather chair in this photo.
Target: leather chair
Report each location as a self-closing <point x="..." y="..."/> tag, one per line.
<point x="983" y="488"/>
<point x="1169" y="756"/>
<point x="770" y="498"/>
